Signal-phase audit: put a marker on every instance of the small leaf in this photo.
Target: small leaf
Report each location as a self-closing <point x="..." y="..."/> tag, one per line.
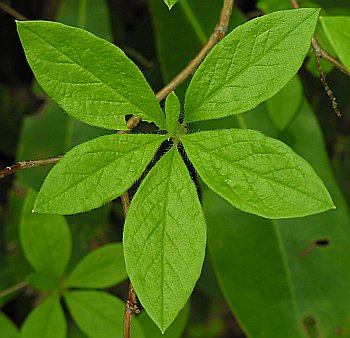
<point x="99" y="314"/>
<point x="283" y="106"/>
<point x="164" y="239"/>
<point x="88" y="77"/>
<point x="45" y="321"/>
<point x="7" y="328"/>
<point x="99" y="269"/>
<point x="95" y="172"/>
<point x="172" y="112"/>
<point x="337" y="29"/>
<point x="45" y="239"/>
<point x="256" y="173"/>
<point x="170" y="3"/>
<point x="42" y="281"/>
<point x="250" y="65"/>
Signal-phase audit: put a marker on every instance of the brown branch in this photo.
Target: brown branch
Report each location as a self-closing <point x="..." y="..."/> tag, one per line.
<point x="9" y="10"/>
<point x="13" y="288"/>
<point x="28" y="164"/>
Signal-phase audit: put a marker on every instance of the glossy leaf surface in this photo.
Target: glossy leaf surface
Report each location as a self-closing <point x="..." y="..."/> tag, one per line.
<point x="250" y="64"/>
<point x="99" y="269"/>
<point x="164" y="239"/>
<point x="45" y="239"/>
<point x="256" y="173"/>
<point x="90" y="78"/>
<point x="95" y="172"/>
<point x="45" y="321"/>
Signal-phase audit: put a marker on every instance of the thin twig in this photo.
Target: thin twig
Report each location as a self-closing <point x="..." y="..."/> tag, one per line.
<point x="13" y="288"/>
<point x="28" y="164"/>
<point x="320" y="53"/>
<point x="9" y="10"/>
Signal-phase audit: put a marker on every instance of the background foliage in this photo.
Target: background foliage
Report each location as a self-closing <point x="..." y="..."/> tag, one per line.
<point x="285" y="278"/>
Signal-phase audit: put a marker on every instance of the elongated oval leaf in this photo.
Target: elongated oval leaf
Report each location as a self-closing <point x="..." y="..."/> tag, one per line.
<point x="7" y="328"/>
<point x="172" y="112"/>
<point x="99" y="314"/>
<point x="88" y="77"/>
<point x="45" y="239"/>
<point x="101" y="268"/>
<point x="250" y="65"/>
<point x="45" y="321"/>
<point x="337" y="29"/>
<point x="164" y="239"/>
<point x="95" y="172"/>
<point x="256" y="173"/>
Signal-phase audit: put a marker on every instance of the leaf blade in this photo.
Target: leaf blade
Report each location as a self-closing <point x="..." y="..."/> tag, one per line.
<point x="89" y="78"/>
<point x="45" y="239"/>
<point x="45" y="321"/>
<point x="256" y="173"/>
<point x="261" y="64"/>
<point x="82" y="180"/>
<point x="172" y="112"/>
<point x="170" y="3"/>
<point x="101" y="268"/>
<point x="164" y="239"/>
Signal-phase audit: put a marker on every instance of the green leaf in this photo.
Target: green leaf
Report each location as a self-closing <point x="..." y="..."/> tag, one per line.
<point x="7" y="328"/>
<point x="42" y="281"/>
<point x="256" y="173"/>
<point x="170" y="3"/>
<point x="45" y="239"/>
<point x="285" y="104"/>
<point x="164" y="239"/>
<point x="99" y="269"/>
<point x="175" y="330"/>
<point x="250" y="65"/>
<point x="99" y="314"/>
<point x="45" y="321"/>
<point x="95" y="172"/>
<point x="88" y="77"/>
<point x="337" y="29"/>
<point x="276" y="269"/>
<point x="172" y="112"/>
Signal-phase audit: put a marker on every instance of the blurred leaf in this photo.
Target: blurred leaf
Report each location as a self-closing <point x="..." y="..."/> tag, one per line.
<point x="45" y="321"/>
<point x="45" y="239"/>
<point x="101" y="268"/>
<point x="85" y="62"/>
<point x="99" y="314"/>
<point x="294" y="270"/>
<point x="175" y="330"/>
<point x="337" y="29"/>
<point x="42" y="281"/>
<point x="88" y="14"/>
<point x="81" y="180"/>
<point x="7" y="328"/>
<point x="285" y="104"/>
<point x="164" y="239"/>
